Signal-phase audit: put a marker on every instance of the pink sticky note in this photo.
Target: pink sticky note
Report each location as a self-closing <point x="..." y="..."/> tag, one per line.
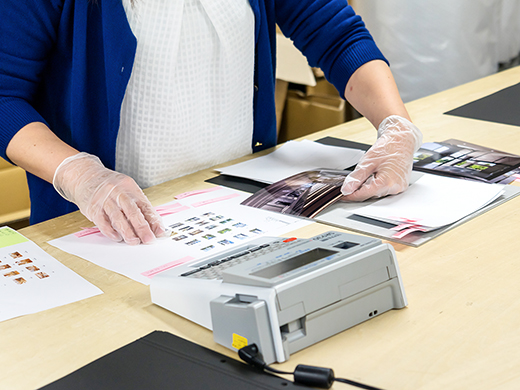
<point x="405" y="232"/>
<point x="87" y="231"/>
<point x="405" y="220"/>
<point x="171" y="209"/>
<point x="172" y="206"/>
<point x="214" y="200"/>
<point x="402" y="226"/>
<point x="157" y="270"/>
<point x="196" y="192"/>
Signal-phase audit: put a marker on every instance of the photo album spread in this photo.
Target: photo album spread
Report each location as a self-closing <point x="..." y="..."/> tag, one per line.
<point x="432" y="204"/>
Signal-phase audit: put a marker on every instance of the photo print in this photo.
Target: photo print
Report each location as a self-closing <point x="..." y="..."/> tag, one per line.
<point x="305" y="194"/>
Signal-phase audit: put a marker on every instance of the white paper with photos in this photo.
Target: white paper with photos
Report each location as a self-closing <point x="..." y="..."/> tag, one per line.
<point x="208" y="223"/>
<point x="31" y="280"/>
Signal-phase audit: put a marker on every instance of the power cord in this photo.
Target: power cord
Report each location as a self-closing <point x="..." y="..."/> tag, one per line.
<point x="304" y="375"/>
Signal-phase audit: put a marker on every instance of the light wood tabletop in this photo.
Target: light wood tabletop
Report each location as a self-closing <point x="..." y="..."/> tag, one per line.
<point x="461" y="329"/>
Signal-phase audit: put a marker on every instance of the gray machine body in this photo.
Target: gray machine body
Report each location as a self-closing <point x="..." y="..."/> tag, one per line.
<point x="357" y="282"/>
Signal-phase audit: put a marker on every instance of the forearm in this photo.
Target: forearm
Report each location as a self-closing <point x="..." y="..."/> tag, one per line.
<point x="38" y="150"/>
<point x="372" y="91"/>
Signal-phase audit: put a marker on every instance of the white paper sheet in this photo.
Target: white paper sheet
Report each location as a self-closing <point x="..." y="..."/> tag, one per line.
<point x="292" y="158"/>
<point x="207" y="222"/>
<point x="31" y="280"/>
<point x="433" y="201"/>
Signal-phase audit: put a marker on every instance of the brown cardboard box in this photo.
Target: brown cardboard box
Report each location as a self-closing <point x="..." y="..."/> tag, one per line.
<point x="14" y="194"/>
<point x="305" y="114"/>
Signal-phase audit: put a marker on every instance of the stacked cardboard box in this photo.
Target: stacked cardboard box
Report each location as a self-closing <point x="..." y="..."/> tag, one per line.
<point x="14" y="195"/>
<point x="312" y="109"/>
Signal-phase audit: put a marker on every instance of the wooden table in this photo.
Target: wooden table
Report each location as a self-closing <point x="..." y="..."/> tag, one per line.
<point x="461" y="328"/>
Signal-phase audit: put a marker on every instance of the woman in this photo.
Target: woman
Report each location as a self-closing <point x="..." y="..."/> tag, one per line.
<point x="93" y="93"/>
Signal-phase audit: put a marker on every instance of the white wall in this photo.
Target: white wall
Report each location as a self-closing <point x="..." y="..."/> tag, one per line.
<point x="433" y="45"/>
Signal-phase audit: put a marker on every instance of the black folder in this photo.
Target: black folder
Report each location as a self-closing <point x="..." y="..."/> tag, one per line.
<point x="161" y="360"/>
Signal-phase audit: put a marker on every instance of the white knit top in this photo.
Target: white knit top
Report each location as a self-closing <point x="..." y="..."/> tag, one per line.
<point x="189" y="101"/>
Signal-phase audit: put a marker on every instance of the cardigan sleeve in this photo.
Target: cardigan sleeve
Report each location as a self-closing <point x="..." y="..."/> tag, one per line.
<point x="28" y="31"/>
<point x="330" y="35"/>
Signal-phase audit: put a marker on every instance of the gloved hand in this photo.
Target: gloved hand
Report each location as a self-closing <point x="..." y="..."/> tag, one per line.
<point x="112" y="200"/>
<point x="386" y="167"/>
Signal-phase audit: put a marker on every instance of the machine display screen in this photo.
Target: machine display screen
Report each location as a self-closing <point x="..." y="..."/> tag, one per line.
<point x="293" y="263"/>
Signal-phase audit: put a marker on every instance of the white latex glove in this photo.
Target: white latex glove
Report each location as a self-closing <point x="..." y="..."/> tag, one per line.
<point x="386" y="167"/>
<point x="112" y="200"/>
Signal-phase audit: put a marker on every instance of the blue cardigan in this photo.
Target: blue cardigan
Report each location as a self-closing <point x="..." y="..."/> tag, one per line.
<point x="67" y="63"/>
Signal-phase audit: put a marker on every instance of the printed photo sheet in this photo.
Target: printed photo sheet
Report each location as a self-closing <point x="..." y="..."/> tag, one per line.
<point x="31" y="280"/>
<point x="199" y="224"/>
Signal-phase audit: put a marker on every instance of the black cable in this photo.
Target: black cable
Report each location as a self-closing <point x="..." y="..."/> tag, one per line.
<point x="306" y="375"/>
<point x="353" y="383"/>
<point x="275" y="371"/>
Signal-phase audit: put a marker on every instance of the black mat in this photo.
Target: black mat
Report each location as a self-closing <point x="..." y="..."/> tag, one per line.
<point x="161" y="361"/>
<point x="501" y="107"/>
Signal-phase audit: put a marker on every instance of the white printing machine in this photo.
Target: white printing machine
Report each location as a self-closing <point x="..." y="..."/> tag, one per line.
<point x="284" y="294"/>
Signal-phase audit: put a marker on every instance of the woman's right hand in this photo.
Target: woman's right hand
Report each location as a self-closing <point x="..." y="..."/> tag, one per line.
<point x="112" y="200"/>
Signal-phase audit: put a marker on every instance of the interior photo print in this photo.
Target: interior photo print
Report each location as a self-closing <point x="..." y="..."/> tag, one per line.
<point x="305" y="194"/>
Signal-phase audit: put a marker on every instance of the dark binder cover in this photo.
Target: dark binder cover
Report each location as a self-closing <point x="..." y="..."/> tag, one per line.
<point x="161" y="360"/>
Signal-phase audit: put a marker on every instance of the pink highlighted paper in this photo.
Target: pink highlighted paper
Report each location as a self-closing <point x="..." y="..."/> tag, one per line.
<point x="142" y="262"/>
